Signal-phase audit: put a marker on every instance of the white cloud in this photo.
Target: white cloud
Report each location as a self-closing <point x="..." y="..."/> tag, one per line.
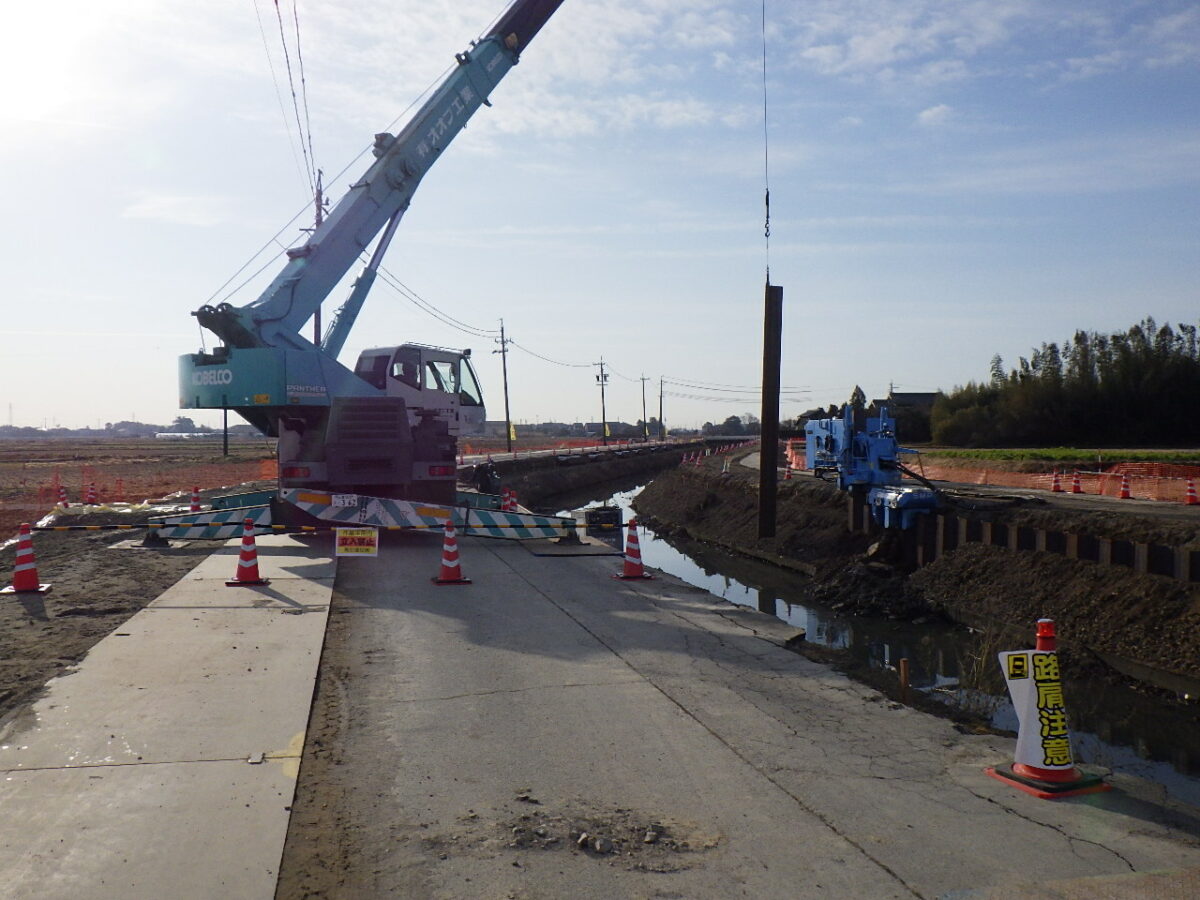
<point x="935" y="116"/>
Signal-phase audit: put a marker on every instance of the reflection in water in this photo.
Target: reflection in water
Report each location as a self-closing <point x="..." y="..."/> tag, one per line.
<point x="1112" y="724"/>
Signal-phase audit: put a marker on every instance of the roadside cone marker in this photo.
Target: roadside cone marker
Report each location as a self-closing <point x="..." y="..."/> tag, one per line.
<point x="247" y="570"/>
<point x="633" y="568"/>
<point x="62" y="496"/>
<point x="1125" y="495"/>
<point x="1191" y="499"/>
<point x="787" y="471"/>
<point x="1056" y="487"/>
<point x="1076" y="488"/>
<point x="1042" y="762"/>
<point x="25" y="573"/>
<point x="89" y="497"/>
<point x="195" y="507"/>
<point x="451" y="572"/>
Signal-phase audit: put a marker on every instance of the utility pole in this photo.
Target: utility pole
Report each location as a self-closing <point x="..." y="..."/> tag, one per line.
<point x="769" y="448"/>
<point x="318" y="218"/>
<point x="662" y="426"/>
<point x="503" y="351"/>
<point x="602" y="380"/>
<point x="645" y="421"/>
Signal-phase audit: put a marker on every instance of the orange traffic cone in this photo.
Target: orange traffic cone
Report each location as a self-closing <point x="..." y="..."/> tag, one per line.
<point x="633" y="556"/>
<point x="451" y="572"/>
<point x="1056" y="487"/>
<point x="1191" y="499"/>
<point x="1076" y="488"/>
<point x="247" y="570"/>
<point x="1124" y="495"/>
<point x="195" y="507"/>
<point x="787" y="472"/>
<point x="62" y="496"/>
<point x="25" y="574"/>
<point x="89" y="496"/>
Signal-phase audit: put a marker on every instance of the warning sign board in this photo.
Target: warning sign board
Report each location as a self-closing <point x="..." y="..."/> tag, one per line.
<point x="357" y="542"/>
<point x="1036" y="687"/>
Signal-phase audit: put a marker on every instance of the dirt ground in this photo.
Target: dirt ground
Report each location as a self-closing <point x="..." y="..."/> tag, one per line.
<point x="1102" y="613"/>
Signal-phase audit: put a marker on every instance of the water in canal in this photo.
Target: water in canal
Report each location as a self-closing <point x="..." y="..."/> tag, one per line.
<point x="1112" y="724"/>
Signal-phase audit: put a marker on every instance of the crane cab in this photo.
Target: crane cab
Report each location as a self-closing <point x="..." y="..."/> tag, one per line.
<point x="430" y="380"/>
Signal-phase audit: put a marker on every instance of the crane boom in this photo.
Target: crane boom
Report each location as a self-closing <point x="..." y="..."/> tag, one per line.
<point x="390" y="424"/>
<point x="381" y="194"/>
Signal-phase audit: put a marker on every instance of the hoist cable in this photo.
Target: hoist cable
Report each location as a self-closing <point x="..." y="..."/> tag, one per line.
<point x="766" y="150"/>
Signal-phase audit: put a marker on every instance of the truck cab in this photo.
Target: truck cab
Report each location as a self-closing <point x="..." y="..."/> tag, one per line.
<point x="428" y="378"/>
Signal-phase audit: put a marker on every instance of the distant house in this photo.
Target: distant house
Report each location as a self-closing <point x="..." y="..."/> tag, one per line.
<point x="896" y="400"/>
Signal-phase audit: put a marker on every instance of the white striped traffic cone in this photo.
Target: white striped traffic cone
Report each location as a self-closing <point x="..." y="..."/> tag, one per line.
<point x="1191" y="499"/>
<point x="1056" y="487"/>
<point x="195" y="507"/>
<point x="1076" y="488"/>
<point x="1125" y="494"/>
<point x="451" y="571"/>
<point x="25" y="573"/>
<point x="62" y="496"/>
<point x="633" y="567"/>
<point x="247" y="570"/>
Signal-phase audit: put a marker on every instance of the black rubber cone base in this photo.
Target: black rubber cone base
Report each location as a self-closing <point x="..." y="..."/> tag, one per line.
<point x="624" y="577"/>
<point x="1049" y="790"/>
<point x="450" y="580"/>
<point x="251" y="583"/>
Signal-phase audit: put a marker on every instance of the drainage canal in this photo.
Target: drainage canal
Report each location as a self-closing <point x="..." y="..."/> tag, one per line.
<point x="1113" y="724"/>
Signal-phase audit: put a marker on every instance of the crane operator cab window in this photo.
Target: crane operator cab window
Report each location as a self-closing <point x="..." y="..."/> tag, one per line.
<point x="406" y="367"/>
<point x="372" y="370"/>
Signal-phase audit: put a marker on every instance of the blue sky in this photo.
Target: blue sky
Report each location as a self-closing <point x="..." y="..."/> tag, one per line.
<point x="949" y="180"/>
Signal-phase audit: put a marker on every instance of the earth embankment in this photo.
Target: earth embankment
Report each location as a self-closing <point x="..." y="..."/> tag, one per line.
<point x="1146" y="625"/>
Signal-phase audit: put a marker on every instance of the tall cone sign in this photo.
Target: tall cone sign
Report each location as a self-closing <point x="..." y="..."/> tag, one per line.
<point x="1042" y="762"/>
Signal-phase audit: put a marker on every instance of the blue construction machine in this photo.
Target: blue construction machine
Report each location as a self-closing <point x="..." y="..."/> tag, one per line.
<point x="863" y="453"/>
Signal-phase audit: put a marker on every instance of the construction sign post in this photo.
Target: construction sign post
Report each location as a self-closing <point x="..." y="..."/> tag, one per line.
<point x="357" y="541"/>
<point x="1042" y="762"/>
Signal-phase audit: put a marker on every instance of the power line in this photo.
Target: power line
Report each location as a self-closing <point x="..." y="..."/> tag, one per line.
<point x="287" y="58"/>
<point x="287" y="125"/>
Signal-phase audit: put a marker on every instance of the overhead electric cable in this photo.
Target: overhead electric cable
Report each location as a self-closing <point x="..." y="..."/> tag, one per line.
<point x="549" y="360"/>
<point x="287" y="124"/>
<point x="304" y="92"/>
<point x="732" y="389"/>
<point x="287" y="58"/>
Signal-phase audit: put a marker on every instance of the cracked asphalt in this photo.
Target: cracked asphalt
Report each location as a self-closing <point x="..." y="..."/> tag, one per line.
<point x="463" y="738"/>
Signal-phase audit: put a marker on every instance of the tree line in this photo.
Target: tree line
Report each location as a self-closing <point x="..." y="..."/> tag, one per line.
<point x="1139" y="387"/>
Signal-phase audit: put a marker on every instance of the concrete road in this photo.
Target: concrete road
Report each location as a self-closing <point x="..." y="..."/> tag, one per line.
<point x="465" y="737"/>
<point x="164" y="765"/>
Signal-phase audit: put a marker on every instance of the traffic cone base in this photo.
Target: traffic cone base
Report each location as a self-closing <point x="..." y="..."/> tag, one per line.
<point x="40" y="589"/>
<point x="1075" y="783"/>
